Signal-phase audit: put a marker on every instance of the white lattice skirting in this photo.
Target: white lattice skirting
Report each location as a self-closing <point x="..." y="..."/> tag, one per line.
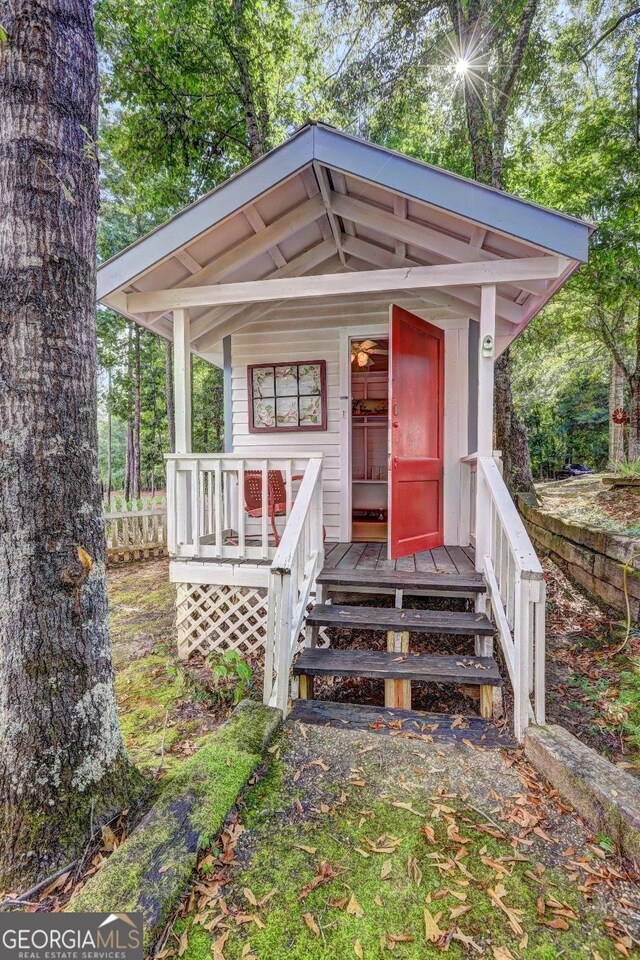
<point x="214" y="617"/>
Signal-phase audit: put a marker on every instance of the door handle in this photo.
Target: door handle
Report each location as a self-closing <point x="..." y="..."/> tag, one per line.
<point x="396" y="423"/>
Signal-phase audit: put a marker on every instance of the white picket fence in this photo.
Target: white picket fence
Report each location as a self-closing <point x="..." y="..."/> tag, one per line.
<point x="136" y="529"/>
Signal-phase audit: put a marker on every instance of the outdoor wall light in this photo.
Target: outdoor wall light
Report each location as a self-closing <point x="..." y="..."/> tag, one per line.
<point x="487" y="346"/>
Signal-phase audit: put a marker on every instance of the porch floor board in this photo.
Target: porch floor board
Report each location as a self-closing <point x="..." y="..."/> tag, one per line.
<point x="456" y="561"/>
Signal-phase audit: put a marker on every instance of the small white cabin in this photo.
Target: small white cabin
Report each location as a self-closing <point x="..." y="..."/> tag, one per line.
<point x="356" y="300"/>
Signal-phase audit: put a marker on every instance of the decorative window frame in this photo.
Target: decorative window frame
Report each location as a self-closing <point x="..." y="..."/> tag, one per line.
<point x="293" y="428"/>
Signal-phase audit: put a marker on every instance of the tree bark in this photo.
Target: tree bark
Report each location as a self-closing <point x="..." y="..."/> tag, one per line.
<point x="488" y="91"/>
<point x="135" y="476"/>
<point x="616" y="402"/>
<point x="62" y="759"/>
<point x="254" y="135"/>
<point x="171" y="410"/>
<point x="109" y="440"/>
<point x="510" y="435"/>
<point x="634" y="418"/>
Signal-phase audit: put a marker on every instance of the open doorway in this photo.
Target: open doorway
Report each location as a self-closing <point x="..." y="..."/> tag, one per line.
<point x="369" y="438"/>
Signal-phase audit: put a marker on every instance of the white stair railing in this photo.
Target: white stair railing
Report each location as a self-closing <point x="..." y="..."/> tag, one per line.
<point x="292" y="576"/>
<point x="515" y="590"/>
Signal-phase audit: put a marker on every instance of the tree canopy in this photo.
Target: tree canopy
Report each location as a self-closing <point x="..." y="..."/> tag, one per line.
<point x="538" y="98"/>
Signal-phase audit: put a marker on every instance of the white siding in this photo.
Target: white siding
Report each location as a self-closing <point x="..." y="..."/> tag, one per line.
<point x="273" y="347"/>
<point x="324" y="344"/>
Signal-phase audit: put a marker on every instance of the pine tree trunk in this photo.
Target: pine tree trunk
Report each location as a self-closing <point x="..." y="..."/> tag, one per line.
<point x="486" y="110"/>
<point x="171" y="411"/>
<point x="616" y="402"/>
<point x="109" y="440"/>
<point x="135" y="472"/>
<point x="634" y="418"/>
<point x="510" y="435"/>
<point x="128" y="461"/>
<point x="254" y="136"/>
<point x="62" y="759"/>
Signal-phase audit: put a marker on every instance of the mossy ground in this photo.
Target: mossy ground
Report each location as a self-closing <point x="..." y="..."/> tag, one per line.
<point x="158" y="701"/>
<point x="141" y="608"/>
<point x="367" y="806"/>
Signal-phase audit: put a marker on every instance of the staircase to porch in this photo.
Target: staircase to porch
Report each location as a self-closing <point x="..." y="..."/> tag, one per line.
<point x="311" y="588"/>
<point x="361" y="572"/>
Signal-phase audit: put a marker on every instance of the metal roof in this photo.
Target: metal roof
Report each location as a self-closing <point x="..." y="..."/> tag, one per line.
<point x="324" y="201"/>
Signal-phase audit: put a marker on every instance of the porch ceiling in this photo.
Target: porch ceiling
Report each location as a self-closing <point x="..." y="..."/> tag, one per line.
<point x="325" y="203"/>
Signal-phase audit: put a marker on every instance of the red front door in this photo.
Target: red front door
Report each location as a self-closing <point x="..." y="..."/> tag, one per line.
<point x="416" y="427"/>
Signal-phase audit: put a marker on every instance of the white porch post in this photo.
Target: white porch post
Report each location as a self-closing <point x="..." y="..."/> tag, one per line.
<point x="486" y="353"/>
<point x="182" y="408"/>
<point x="182" y="379"/>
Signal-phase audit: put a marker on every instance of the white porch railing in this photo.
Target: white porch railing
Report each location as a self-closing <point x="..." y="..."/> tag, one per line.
<point x="515" y="590"/>
<point x="207" y="517"/>
<point x="293" y="572"/>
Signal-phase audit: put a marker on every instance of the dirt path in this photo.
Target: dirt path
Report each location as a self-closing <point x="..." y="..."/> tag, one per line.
<point x="355" y="844"/>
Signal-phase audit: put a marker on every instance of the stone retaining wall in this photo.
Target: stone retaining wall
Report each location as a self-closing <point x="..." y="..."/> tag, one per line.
<point x="593" y="557"/>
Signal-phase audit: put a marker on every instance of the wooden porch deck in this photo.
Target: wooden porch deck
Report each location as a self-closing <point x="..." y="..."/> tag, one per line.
<point x="451" y="561"/>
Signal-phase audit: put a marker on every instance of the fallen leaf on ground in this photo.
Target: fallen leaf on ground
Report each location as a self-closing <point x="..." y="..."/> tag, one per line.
<point x="431" y="929"/>
<point x="303" y="846"/>
<point x="326" y="873"/>
<point x="310" y="921"/>
<point x="354" y="908"/>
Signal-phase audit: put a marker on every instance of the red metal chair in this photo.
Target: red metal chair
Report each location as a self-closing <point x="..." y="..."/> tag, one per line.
<point x="276" y="494"/>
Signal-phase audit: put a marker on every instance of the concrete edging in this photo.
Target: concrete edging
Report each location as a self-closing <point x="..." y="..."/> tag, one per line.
<point x="151" y="870"/>
<point x="606" y="796"/>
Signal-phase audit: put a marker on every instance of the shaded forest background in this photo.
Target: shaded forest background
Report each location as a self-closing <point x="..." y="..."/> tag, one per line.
<point x="193" y="90"/>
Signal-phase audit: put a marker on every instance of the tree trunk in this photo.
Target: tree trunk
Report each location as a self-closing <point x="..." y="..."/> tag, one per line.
<point x="62" y="760"/>
<point x="487" y="91"/>
<point x="616" y="403"/>
<point x="171" y="411"/>
<point x="109" y="440"/>
<point x="510" y="435"/>
<point x="254" y="136"/>
<point x="634" y="418"/>
<point x="135" y="475"/>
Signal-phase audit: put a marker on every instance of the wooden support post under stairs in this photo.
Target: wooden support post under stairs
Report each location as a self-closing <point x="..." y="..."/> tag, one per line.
<point x="484" y="648"/>
<point x="306" y="687"/>
<point x="486" y="702"/>
<point x="397" y="693"/>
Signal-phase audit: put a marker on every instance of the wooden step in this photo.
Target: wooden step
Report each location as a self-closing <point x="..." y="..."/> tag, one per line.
<point x="400" y="621"/>
<point x="423" y="582"/>
<point x="383" y="665"/>
<point x="433" y="727"/>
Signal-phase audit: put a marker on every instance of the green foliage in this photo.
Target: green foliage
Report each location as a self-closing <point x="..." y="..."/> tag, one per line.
<point x="181" y="77"/>
<point x="232" y="677"/>
<point x="563" y="401"/>
<point x="628" y="468"/>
